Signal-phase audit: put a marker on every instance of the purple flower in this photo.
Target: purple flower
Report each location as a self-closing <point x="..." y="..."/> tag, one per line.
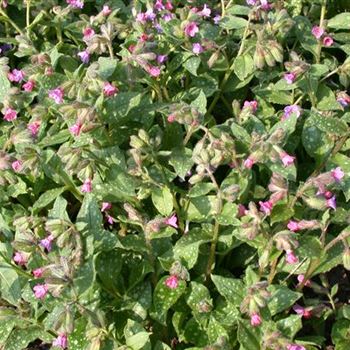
<point x="337" y="174"/>
<point x="60" y="341"/>
<point x="77" y="4"/>
<point x="289" y="77"/>
<point x="106" y="206"/>
<point x="168" y="17"/>
<point x="28" y="86"/>
<point x="217" y="19"/>
<point x="10" y="114"/>
<point x="206" y="11"/>
<point x="301" y="278"/>
<point x="317" y="32"/>
<point x="141" y="17"/>
<point x="289" y="110"/>
<point x="197" y="48"/>
<point x="253" y="105"/>
<point x="331" y="203"/>
<point x="159" y="5"/>
<point x="88" y="33"/>
<point x="153" y="71"/>
<point x="266" y="207"/>
<point x="162" y="58"/>
<point x="84" y="56"/>
<point x="47" y="242"/>
<point x="40" y="291"/>
<point x="172" y="221"/>
<point x="293" y="226"/>
<point x="75" y="129"/>
<point x="106" y="10"/>
<point x="191" y="29"/>
<point x="57" y="95"/>
<point x="248" y="163"/>
<point x="251" y="2"/>
<point x="295" y="347"/>
<point x="286" y="159"/>
<point x="16" y="75"/>
<point x="87" y="186"/>
<point x="20" y="259"/>
<point x="150" y="15"/>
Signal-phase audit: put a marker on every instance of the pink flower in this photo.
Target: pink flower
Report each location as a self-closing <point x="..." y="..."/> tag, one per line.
<point x="37" y="273"/>
<point x="77" y="4"/>
<point x="331" y="203"/>
<point x="110" y="219"/>
<point x="217" y="19"/>
<point x="291" y="258"/>
<point x="172" y="282"/>
<point x="295" y="347"/>
<point x="48" y="71"/>
<point x="109" y="89"/>
<point x="191" y="29"/>
<point x="61" y="341"/>
<point x="286" y="159"/>
<point x="289" y="110"/>
<point x="252" y="105"/>
<point x="162" y="58"/>
<point x="248" y="163"/>
<point x="57" y="95"/>
<point x="10" y="114"/>
<point x="106" y="206"/>
<point x="171" y="118"/>
<point x="293" y="226"/>
<point x="75" y="129"/>
<point x="205" y="12"/>
<point x="29" y="86"/>
<point x="255" y="319"/>
<point x="242" y="210"/>
<point x="301" y="280"/>
<point x="289" y="77"/>
<point x="159" y="5"/>
<point x="87" y="186"/>
<point x="266" y="207"/>
<point x="328" y="41"/>
<point x="34" y="127"/>
<point x="17" y="166"/>
<point x="172" y="221"/>
<point x="47" y="242"/>
<point x="16" y="75"/>
<point x="337" y="174"/>
<point x="153" y="71"/>
<point x="169" y="5"/>
<point x="20" y="259"/>
<point x="317" y="32"/>
<point x="84" y="56"/>
<point x="106" y="10"/>
<point x="197" y="48"/>
<point x="265" y="5"/>
<point x="40" y="291"/>
<point x="88" y="33"/>
<point x="302" y="311"/>
<point x="343" y="98"/>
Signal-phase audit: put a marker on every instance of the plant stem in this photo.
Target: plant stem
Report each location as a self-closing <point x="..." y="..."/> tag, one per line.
<point x="110" y="49"/>
<point x="222" y="8"/>
<point x="9" y="20"/>
<point x="28" y="14"/>
<point x="319" y="45"/>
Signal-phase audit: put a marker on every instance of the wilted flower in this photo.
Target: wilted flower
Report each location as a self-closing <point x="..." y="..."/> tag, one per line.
<point x="217" y="19"/>
<point x="10" y="115"/>
<point x="317" y="32"/>
<point x="57" y="95"/>
<point x="295" y="347"/>
<point x="197" y="48"/>
<point x="40" y="291"/>
<point x="172" y="221"/>
<point x="289" y="77"/>
<point x="28" y="86"/>
<point x="172" y="282"/>
<point x="16" y="75"/>
<point x="328" y="41"/>
<point x="61" y="341"/>
<point x="255" y="320"/>
<point x="191" y="29"/>
<point x="87" y="186"/>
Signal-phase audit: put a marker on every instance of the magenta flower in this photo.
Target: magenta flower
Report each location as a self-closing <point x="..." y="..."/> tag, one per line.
<point x="251" y="2"/>
<point x="217" y="19"/>
<point x="197" y="48"/>
<point x="57" y="95"/>
<point x="84" y="56"/>
<point x="10" y="114"/>
<point x="61" y="341"/>
<point x="242" y="210"/>
<point x="253" y="105"/>
<point x="77" y="4"/>
<point x="162" y="58"/>
<point x="110" y="219"/>
<point x="171" y="118"/>
<point x="109" y="89"/>
<point x="47" y="242"/>
<point x="266" y="207"/>
<point x="286" y="159"/>
<point x="301" y="278"/>
<point x="87" y="186"/>
<point x="289" y="77"/>
<point x="328" y="41"/>
<point x="248" y="163"/>
<point x="40" y="291"/>
<point x="88" y="33"/>
<point x="169" y="5"/>
<point x="159" y="5"/>
<point x="106" y="206"/>
<point x="37" y="273"/>
<point x="150" y="15"/>
<point x="20" y="259"/>
<point x="265" y="5"/>
<point x="331" y="203"/>
<point x="172" y="282"/>
<point x="291" y="258"/>
<point x="293" y="226"/>
<point x="141" y="18"/>
<point x="16" y="75"/>
<point x="153" y="71"/>
<point x="206" y="11"/>
<point x="255" y="319"/>
<point x="168" y="17"/>
<point x="295" y="347"/>
<point x="337" y="174"/>
<point x="75" y="129"/>
<point x="191" y="29"/>
<point x="29" y="86"/>
<point x="106" y="10"/>
<point x="17" y="166"/>
<point x="317" y="32"/>
<point x="172" y="221"/>
<point x="289" y="110"/>
<point x="344" y="100"/>
<point x="34" y="127"/>
<point x="299" y="309"/>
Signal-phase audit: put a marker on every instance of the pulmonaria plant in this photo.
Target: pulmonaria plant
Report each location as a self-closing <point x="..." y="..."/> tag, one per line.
<point x="174" y="174"/>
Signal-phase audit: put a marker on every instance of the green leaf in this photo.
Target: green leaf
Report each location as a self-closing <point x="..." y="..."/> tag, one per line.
<point x="290" y="326"/>
<point x="340" y="21"/>
<point x="192" y="64"/>
<point x="181" y="160"/>
<point x="241" y="134"/>
<point x="20" y="338"/>
<point x="281" y="212"/>
<point x="215" y="330"/>
<point x="197" y="295"/>
<point x="9" y="284"/>
<point x="164" y="297"/>
<point x="329" y="125"/>
<point x="228" y="215"/>
<point x="248" y="337"/>
<point x="4" y="85"/>
<point x="340" y="332"/>
<point x="163" y="200"/>
<point x="202" y="208"/>
<point x="233" y="22"/>
<point x="138" y="340"/>
<point x="231" y="289"/>
<point x="326" y="99"/>
<point x="281" y="298"/>
<point x="6" y="326"/>
<point x="200" y="103"/>
<point x="47" y="197"/>
<point x="77" y="339"/>
<point x="106" y="67"/>
<point x="243" y="66"/>
<point x="85" y="276"/>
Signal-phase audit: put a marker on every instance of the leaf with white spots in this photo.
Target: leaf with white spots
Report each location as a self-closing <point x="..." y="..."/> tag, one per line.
<point x="202" y="208"/>
<point x="9" y="284"/>
<point x="249" y="337"/>
<point x="192" y="64"/>
<point x="181" y="161"/>
<point x="330" y="125"/>
<point x="340" y="21"/>
<point x="232" y="289"/>
<point x="77" y="339"/>
<point x="163" y="200"/>
<point x="281" y="298"/>
<point x="290" y="326"/>
<point x="198" y="294"/>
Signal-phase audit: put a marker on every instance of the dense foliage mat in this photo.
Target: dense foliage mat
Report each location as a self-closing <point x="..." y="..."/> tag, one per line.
<point x="174" y="174"/>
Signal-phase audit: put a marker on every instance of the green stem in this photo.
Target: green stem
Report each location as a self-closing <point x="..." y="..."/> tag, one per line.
<point x="110" y="50"/>
<point x="319" y="45"/>
<point x="222" y="8"/>
<point x="28" y="14"/>
<point x="9" y="20"/>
